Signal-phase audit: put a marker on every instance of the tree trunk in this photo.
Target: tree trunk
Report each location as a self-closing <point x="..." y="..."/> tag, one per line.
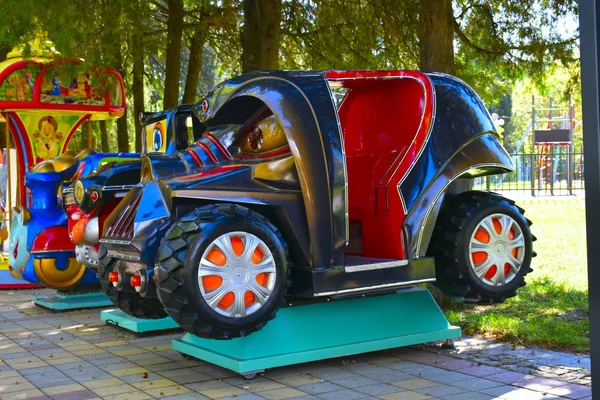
<point x="260" y="38"/>
<point x="436" y="36"/>
<point x="103" y="136"/>
<point x="123" y="133"/>
<point x="138" y="87"/>
<point x="173" y="67"/>
<point x="194" y="66"/>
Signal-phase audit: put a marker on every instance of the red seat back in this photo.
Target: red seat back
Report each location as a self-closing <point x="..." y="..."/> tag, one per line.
<point x="379" y="120"/>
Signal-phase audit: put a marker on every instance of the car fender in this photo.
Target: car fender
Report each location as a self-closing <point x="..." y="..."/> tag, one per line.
<point x="482" y="155"/>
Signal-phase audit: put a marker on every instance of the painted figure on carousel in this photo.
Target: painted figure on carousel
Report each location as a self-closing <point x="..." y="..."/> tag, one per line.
<point x="47" y="139"/>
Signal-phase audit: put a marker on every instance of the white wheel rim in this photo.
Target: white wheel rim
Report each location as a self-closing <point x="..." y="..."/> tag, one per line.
<point x="497" y="249"/>
<point x="236" y="275"/>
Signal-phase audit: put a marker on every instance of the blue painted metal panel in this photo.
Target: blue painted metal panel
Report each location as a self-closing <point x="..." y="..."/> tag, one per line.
<point x="139" y="325"/>
<point x="64" y="301"/>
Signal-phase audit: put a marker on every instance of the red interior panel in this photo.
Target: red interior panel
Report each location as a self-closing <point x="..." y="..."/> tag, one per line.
<point x="382" y="123"/>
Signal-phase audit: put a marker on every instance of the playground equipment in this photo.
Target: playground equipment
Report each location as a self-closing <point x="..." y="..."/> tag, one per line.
<point x="552" y="132"/>
<point x="44" y="100"/>
<point x="551" y="160"/>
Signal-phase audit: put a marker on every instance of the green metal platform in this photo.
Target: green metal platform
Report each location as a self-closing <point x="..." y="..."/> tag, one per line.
<point x="70" y="301"/>
<point x="328" y="330"/>
<point x="138" y="325"/>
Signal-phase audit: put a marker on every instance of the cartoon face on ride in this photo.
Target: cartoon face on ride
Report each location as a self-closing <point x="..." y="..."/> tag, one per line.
<point x="288" y="193"/>
<point x="157" y="138"/>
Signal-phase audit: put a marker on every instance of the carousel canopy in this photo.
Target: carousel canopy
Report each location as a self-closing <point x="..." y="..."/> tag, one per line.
<point x="46" y="82"/>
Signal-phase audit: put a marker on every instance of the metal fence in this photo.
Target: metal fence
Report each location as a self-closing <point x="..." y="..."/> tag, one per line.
<point x="552" y="173"/>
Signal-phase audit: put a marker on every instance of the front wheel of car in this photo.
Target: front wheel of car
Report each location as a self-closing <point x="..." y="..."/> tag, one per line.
<point x="483" y="248"/>
<point x="222" y="271"/>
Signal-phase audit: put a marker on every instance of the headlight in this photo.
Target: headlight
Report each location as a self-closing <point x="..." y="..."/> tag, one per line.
<point x="79" y="192"/>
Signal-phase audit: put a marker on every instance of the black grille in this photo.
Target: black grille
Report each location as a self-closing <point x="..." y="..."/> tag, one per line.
<point x="121" y="227"/>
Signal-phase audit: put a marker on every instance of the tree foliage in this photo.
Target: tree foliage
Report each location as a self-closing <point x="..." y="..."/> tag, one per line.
<point x="171" y="51"/>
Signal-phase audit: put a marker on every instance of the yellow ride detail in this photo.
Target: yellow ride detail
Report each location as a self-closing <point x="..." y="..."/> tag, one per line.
<point x="54" y="278"/>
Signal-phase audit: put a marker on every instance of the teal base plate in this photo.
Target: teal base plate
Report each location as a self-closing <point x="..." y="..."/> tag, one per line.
<point x="139" y="325"/>
<point x="63" y="301"/>
<point x="328" y="330"/>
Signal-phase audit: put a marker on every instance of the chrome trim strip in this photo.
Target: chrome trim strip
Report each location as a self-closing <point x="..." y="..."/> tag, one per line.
<point x="115" y="241"/>
<point x="182" y="158"/>
<point x="122" y="255"/>
<point x="425" y="142"/>
<point x="386" y="285"/>
<point x="337" y="118"/>
<point x="210" y="194"/>
<point x="116" y="228"/>
<point x="116" y="187"/>
<point x="443" y="190"/>
<point x="381" y="265"/>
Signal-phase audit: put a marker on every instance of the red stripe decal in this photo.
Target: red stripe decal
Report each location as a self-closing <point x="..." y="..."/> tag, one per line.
<point x="195" y="156"/>
<point x="20" y="286"/>
<point x="219" y="145"/>
<point x="207" y="151"/>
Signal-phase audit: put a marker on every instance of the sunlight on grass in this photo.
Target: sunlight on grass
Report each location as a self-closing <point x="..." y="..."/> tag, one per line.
<point x="552" y="310"/>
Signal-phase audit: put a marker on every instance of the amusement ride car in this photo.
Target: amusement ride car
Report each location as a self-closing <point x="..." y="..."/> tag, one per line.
<point x="89" y="200"/>
<point x="290" y="193"/>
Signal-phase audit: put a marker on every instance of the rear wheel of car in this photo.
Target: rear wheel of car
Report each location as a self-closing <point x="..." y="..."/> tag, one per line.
<point x="222" y="271"/>
<point x="126" y="297"/>
<point x="482" y="246"/>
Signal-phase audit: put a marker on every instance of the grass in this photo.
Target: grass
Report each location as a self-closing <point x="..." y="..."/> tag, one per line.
<point x="551" y="311"/>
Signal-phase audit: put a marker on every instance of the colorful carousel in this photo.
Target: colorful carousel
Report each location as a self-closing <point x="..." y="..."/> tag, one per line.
<point x="44" y="100"/>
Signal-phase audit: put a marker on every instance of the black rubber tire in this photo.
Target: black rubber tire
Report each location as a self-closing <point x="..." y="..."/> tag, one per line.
<point x="455" y="225"/>
<point x="179" y="258"/>
<point x="126" y="298"/>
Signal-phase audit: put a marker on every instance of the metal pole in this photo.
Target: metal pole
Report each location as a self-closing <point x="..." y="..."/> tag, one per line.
<point x="532" y="167"/>
<point x="550" y="105"/>
<point x="550" y="167"/>
<point x="90" y="133"/>
<point x="570" y="148"/>
<point x="8" y="174"/>
<point x="589" y="22"/>
<point x="556" y="165"/>
<point x="547" y="154"/>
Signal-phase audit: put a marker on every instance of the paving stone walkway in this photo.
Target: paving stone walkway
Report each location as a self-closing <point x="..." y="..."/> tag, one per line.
<point x="74" y="356"/>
